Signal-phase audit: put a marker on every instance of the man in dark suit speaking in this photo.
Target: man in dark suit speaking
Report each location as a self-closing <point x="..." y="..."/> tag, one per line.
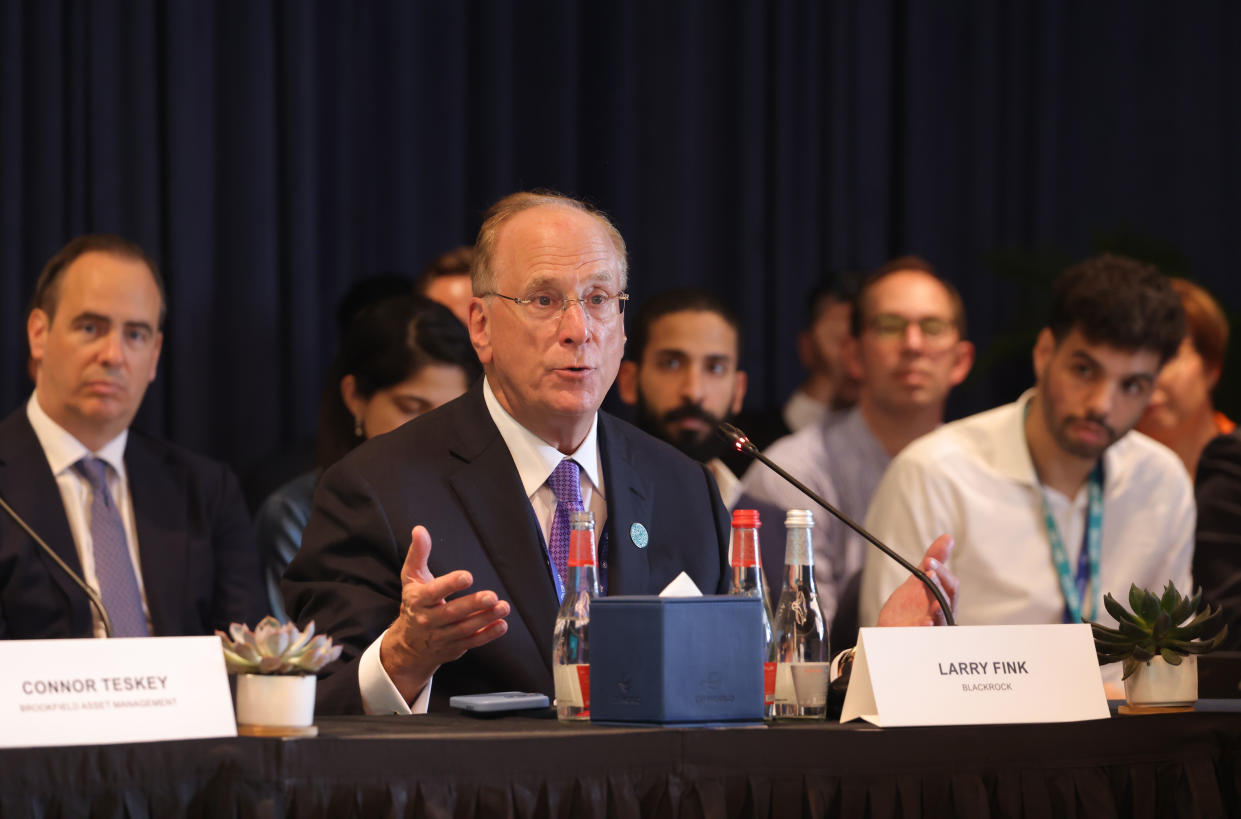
<point x="477" y="476"/>
<point x="161" y="534"/>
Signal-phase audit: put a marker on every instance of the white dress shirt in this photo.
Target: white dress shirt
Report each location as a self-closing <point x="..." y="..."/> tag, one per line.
<point x="974" y="479"/>
<point x="535" y="460"/>
<point x="841" y="460"/>
<point x="63" y="451"/>
<point x="802" y="411"/>
<point x="729" y="484"/>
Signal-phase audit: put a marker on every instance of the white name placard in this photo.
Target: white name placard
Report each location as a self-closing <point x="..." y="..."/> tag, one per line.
<point x="88" y="692"/>
<point x="970" y="675"/>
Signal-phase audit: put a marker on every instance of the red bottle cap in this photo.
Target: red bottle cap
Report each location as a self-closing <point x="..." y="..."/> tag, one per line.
<point x="746" y="518"/>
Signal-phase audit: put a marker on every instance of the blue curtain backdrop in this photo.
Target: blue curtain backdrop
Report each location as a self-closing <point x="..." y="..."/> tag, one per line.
<point x="269" y="154"/>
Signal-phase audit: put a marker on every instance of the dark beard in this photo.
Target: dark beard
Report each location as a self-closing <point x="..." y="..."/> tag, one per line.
<point x="703" y="449"/>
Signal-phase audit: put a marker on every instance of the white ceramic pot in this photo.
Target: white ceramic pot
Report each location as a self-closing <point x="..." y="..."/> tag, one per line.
<point x="275" y="704"/>
<point x="1156" y="683"/>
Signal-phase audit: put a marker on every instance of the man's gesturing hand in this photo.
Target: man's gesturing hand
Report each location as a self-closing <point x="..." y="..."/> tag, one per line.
<point x="431" y="630"/>
<point x="912" y="604"/>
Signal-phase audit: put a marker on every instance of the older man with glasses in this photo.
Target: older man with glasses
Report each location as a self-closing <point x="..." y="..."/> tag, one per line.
<point x="907" y="348"/>
<point x="493" y="476"/>
<point x="488" y="479"/>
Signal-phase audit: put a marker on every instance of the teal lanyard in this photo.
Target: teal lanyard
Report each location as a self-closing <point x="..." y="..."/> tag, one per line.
<point x="1085" y="583"/>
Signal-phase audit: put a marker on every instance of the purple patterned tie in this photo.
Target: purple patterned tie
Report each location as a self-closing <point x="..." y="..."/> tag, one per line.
<point x="566" y="486"/>
<point x="114" y="571"/>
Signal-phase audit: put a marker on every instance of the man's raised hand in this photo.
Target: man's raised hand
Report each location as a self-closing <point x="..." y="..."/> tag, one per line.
<point x="431" y="630"/>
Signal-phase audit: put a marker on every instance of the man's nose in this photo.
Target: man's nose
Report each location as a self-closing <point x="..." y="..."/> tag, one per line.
<point x="574" y="323"/>
<point x="913" y="339"/>
<point x="691" y="384"/>
<point x="1101" y="398"/>
<point x="111" y="348"/>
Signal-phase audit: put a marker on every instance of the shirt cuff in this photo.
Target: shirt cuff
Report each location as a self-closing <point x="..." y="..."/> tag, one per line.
<point x="379" y="693"/>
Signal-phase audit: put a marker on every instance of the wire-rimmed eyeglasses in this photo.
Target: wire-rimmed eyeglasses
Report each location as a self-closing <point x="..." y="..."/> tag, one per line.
<point x="599" y="306"/>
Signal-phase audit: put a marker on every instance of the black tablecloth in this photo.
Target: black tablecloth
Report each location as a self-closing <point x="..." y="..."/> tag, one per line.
<point x="455" y="766"/>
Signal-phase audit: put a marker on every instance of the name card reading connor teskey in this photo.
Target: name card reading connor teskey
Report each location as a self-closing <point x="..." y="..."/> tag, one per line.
<point x="973" y="675"/>
<point x="89" y="692"/>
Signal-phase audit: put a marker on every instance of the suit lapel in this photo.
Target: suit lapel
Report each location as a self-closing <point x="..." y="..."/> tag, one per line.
<point x="27" y="483"/>
<point x="162" y="528"/>
<point x="491" y="493"/>
<point x="629" y="503"/>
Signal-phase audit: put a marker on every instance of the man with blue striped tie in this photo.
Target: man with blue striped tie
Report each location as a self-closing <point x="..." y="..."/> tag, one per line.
<point x="161" y="534"/>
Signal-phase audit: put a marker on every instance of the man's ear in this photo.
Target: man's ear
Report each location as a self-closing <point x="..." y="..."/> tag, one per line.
<point x="627" y="382"/>
<point x="480" y="330"/>
<point x="964" y="351"/>
<point x="37" y="325"/>
<point x="159" y="346"/>
<point x="1044" y="349"/>
<point x="740" y="381"/>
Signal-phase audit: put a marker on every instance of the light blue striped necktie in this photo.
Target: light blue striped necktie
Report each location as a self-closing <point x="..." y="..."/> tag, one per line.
<point x="114" y="571"/>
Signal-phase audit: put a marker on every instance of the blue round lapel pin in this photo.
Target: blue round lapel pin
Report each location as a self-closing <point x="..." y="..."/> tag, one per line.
<point x="639" y="536"/>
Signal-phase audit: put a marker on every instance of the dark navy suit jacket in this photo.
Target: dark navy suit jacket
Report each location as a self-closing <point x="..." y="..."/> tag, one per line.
<point x="451" y="471"/>
<point x="200" y="568"/>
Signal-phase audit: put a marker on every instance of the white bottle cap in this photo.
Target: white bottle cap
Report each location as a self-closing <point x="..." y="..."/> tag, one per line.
<point x="799" y="517"/>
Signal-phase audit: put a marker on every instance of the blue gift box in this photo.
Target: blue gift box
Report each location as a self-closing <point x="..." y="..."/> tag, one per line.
<point x="676" y="659"/>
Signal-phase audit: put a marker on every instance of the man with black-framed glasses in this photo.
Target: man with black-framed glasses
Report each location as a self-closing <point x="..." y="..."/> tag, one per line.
<point x="907" y="349"/>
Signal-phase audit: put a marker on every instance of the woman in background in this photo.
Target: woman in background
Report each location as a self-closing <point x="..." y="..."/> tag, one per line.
<point x="398" y="359"/>
<point x="1181" y="415"/>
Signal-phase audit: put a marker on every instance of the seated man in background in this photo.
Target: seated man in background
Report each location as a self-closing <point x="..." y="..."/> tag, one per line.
<point x="492" y="476"/>
<point x="681" y="376"/>
<point x="829" y="385"/>
<point x="907" y="349"/>
<point x="447" y="280"/>
<point x="160" y="533"/>
<point x="1052" y="501"/>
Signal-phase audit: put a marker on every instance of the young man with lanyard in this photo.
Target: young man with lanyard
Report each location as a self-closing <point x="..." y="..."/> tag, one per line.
<point x="1052" y="501"/>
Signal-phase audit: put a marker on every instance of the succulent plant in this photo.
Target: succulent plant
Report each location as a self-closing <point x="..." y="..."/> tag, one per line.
<point x="276" y="648"/>
<point x="1168" y="626"/>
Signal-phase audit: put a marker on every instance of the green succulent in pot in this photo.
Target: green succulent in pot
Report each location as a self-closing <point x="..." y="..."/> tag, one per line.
<point x="276" y="648"/>
<point x="1169" y="625"/>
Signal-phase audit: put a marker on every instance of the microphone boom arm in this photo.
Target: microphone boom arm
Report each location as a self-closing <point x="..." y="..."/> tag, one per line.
<point x="743" y="444"/>
<point x="91" y="594"/>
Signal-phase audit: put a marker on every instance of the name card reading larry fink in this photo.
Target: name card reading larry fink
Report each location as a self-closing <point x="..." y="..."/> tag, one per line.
<point x="974" y="675"/>
<point x="74" y="692"/>
<point x="972" y="668"/>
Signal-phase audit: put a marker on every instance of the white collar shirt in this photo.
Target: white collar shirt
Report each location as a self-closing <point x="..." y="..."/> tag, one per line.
<point x="536" y="460"/>
<point x="729" y="484"/>
<point x="974" y="479"/>
<point x="842" y="461"/>
<point x="63" y="451"/>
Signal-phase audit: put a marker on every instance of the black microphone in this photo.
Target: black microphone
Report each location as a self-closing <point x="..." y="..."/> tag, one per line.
<point x="742" y="443"/>
<point x="90" y="593"/>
